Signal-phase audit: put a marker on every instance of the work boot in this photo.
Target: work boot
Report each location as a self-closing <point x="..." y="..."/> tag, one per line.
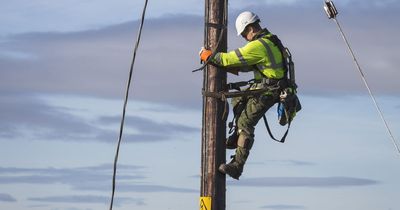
<point x="231" y="141"/>
<point x="235" y="167"/>
<point x="232" y="169"/>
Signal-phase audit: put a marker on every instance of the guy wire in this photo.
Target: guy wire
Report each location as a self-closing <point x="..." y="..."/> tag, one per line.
<point x="366" y="85"/>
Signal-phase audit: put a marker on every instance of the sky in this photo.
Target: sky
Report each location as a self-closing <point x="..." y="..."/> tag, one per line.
<point x="63" y="71"/>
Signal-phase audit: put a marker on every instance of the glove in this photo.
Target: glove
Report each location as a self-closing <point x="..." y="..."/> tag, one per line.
<point x="204" y="54"/>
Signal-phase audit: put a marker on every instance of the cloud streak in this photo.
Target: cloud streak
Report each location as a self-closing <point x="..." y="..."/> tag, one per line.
<point x="28" y="117"/>
<point x="95" y="62"/>
<point x="291" y="162"/>
<point x="147" y="125"/>
<point x="282" y="207"/>
<point x="94" y="178"/>
<point x="7" y="198"/>
<point x="21" y="113"/>
<point x="314" y="182"/>
<point x="88" y="199"/>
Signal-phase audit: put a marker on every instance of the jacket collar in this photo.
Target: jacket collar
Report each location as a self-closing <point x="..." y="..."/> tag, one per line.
<point x="260" y="34"/>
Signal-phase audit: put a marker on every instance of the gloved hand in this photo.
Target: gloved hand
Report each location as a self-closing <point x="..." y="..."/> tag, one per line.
<point x="204" y="54"/>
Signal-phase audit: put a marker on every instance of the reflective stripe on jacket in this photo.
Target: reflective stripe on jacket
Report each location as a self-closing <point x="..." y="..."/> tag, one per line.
<point x="260" y="55"/>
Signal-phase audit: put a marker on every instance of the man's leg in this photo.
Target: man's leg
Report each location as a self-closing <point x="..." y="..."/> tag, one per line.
<point x="238" y="104"/>
<point x="248" y="119"/>
<point x="235" y="167"/>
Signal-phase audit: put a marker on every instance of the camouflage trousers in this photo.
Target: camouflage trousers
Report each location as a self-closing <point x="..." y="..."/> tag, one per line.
<point x="252" y="110"/>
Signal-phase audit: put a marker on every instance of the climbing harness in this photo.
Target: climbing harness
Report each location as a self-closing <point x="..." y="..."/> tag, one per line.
<point x="125" y="104"/>
<point x="332" y="12"/>
<point x="289" y="103"/>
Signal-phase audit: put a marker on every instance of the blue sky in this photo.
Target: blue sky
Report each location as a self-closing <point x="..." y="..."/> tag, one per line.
<point x="63" y="69"/>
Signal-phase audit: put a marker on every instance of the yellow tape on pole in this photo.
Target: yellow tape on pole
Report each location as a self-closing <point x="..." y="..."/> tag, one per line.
<point x="205" y="203"/>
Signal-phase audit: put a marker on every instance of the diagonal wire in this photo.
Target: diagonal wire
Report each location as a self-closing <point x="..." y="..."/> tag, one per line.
<point x="366" y="85"/>
<point x="125" y="104"/>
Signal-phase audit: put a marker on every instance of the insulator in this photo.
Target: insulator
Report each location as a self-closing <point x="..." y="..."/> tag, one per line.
<point x="330" y="9"/>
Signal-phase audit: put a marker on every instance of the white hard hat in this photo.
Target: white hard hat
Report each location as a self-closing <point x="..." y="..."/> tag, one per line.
<point x="244" y="19"/>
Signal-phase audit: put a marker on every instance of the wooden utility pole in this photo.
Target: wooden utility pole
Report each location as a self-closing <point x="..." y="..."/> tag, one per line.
<point x="214" y="127"/>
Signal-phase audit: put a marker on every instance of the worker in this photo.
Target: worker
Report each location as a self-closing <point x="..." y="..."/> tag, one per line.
<point x="264" y="58"/>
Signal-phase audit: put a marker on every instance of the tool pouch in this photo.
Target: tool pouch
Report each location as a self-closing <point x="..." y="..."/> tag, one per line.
<point x="288" y="107"/>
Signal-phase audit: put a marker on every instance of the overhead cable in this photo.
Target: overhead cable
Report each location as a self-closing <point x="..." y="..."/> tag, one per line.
<point x="125" y="103"/>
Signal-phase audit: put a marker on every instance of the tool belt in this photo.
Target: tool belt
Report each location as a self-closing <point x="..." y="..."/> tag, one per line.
<point x="274" y="85"/>
<point x="254" y="88"/>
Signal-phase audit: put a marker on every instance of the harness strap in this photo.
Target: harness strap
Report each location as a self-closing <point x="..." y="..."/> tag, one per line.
<point x="226" y="109"/>
<point x="216" y="25"/>
<point x="219" y="95"/>
<point x="270" y="133"/>
<point x="274" y="64"/>
<point x="286" y="55"/>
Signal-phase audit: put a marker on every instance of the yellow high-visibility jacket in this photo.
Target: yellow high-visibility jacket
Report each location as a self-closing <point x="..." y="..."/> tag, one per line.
<point x="259" y="55"/>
